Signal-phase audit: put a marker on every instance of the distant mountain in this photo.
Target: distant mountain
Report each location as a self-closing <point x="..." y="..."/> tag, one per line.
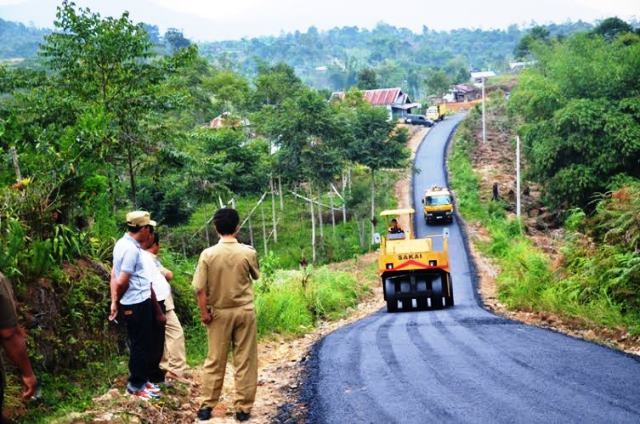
<point x="18" y="40"/>
<point x="333" y="59"/>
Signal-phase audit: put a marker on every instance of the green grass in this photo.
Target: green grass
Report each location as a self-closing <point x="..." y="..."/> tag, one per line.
<point x="290" y="303"/>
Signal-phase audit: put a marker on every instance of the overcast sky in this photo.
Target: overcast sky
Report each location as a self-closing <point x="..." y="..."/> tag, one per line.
<point x="232" y="19"/>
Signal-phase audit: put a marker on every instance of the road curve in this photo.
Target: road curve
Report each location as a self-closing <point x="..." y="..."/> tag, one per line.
<point x="463" y="365"/>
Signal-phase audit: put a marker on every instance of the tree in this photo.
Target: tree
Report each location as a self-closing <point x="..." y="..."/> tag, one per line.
<point x="230" y="91"/>
<point x="582" y="124"/>
<point x="367" y="79"/>
<point x="610" y="28"/>
<point x="537" y="34"/>
<point x="373" y="141"/>
<point x="176" y="40"/>
<point x="274" y="84"/>
<point x="437" y="82"/>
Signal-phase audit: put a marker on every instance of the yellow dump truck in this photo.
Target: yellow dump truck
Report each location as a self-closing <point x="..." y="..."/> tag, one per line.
<point x="437" y="205"/>
<point x="414" y="275"/>
<point x="437" y="112"/>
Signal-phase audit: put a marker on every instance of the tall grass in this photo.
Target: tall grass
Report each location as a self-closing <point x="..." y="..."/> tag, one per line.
<point x="290" y="303"/>
<point x="599" y="284"/>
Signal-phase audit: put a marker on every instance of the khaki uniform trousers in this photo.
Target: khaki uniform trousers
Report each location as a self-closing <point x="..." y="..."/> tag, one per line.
<point x="174" y="358"/>
<point x="235" y="328"/>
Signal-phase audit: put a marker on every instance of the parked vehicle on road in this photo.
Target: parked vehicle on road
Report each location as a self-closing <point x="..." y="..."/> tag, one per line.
<point x="414" y="275"/>
<point x="437" y="112"/>
<point x="418" y="120"/>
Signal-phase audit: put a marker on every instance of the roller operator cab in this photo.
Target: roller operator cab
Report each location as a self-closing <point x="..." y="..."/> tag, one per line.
<point x="437" y="205"/>
<point x="414" y="275"/>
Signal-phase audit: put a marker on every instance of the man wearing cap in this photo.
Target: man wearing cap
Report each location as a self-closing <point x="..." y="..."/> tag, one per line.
<point x="131" y="288"/>
<point x="225" y="299"/>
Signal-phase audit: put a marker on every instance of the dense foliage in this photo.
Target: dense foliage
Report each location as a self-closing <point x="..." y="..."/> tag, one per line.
<point x="581" y="111"/>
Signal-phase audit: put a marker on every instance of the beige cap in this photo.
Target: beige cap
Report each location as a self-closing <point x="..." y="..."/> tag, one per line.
<point x="140" y="219"/>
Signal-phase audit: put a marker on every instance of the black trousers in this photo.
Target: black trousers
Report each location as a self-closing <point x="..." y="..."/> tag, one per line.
<point x="139" y="319"/>
<point x="155" y="374"/>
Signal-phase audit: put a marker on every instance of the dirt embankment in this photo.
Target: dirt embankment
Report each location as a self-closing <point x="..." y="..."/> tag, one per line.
<point x="494" y="162"/>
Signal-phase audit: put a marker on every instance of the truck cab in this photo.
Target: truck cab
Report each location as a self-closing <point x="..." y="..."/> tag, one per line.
<point x="437" y="205"/>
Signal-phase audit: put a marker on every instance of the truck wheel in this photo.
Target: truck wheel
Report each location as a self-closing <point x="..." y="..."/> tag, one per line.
<point x="436" y="293"/>
<point x="392" y="305"/>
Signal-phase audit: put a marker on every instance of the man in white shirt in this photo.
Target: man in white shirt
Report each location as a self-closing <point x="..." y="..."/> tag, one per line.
<point x="174" y="358"/>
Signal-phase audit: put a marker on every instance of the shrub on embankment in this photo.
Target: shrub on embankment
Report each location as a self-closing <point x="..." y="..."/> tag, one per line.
<point x="597" y="280"/>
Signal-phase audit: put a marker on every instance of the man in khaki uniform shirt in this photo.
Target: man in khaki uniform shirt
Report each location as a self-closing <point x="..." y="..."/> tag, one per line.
<point x="223" y="281"/>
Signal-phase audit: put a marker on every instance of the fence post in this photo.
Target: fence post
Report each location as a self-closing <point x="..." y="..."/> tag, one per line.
<point x="264" y="230"/>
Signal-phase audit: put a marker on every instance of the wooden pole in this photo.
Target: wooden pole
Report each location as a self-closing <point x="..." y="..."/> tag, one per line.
<point x="333" y="216"/>
<point x="280" y="191"/>
<point x="16" y="164"/>
<point x="206" y="232"/>
<point x="320" y="222"/>
<point x="341" y="196"/>
<point x="251" y="233"/>
<point x="273" y="211"/>
<point x="264" y="231"/>
<point x="373" y="204"/>
<point x="313" y="230"/>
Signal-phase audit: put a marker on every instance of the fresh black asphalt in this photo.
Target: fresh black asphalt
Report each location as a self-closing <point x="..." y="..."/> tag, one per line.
<point x="464" y="364"/>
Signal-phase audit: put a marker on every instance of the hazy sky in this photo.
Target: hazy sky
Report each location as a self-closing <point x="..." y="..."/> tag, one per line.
<point x="232" y="19"/>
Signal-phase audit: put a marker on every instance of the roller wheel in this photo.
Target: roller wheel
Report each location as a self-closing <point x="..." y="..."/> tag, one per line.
<point x="392" y="305"/>
<point x="437" y="293"/>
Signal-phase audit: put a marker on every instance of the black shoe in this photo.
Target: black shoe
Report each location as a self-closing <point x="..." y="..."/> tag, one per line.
<point x="204" y="414"/>
<point x="242" y="416"/>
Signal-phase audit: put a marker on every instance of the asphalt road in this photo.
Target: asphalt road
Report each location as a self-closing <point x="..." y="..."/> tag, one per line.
<point x="464" y="364"/>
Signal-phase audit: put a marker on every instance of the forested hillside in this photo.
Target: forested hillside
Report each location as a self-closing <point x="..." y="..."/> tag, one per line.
<point x="18" y="40"/>
<point x="422" y="63"/>
<point x="335" y="59"/>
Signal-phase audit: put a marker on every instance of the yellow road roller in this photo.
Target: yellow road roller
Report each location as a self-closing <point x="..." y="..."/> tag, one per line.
<point x="414" y="275"/>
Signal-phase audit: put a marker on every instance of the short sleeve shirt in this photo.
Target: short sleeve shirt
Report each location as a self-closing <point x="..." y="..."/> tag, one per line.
<point x="225" y="272"/>
<point x="160" y="284"/>
<point x="127" y="257"/>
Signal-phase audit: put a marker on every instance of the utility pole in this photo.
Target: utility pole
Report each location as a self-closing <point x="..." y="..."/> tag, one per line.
<point x="484" y="127"/>
<point x="518" y="176"/>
